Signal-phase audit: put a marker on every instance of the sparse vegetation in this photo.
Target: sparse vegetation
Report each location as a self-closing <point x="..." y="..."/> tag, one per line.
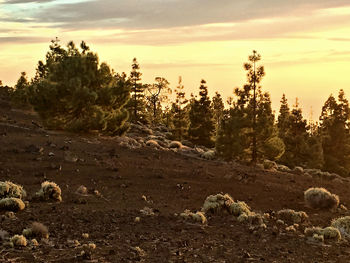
<point x="217" y="203"/>
<point x="87" y="250"/>
<point x="18" y="241"/>
<point x="196" y="217"/>
<point x="320" y="198"/>
<point x="9" y="189"/>
<point x="343" y="225"/>
<point x="11" y="204"/>
<point x="292" y="217"/>
<point x="321" y="234"/>
<point x="49" y="191"/>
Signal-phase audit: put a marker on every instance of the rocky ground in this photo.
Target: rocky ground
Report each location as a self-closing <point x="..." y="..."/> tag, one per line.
<point x="131" y="177"/>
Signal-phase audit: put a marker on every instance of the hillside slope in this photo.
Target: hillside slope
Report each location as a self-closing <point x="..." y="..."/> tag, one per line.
<point x="129" y="180"/>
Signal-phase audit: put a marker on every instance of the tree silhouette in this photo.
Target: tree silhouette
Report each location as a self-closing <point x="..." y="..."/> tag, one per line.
<point x="254" y="76"/>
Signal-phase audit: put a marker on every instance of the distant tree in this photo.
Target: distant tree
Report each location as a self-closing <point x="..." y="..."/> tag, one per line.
<point x="21" y="94"/>
<point x="248" y="126"/>
<point x="137" y="103"/>
<point x="301" y="147"/>
<point x="334" y="129"/>
<point x="232" y="139"/>
<point x="73" y="91"/>
<point x="156" y="94"/>
<point x="201" y="127"/>
<point x="283" y="117"/>
<point x="179" y="113"/>
<point x="254" y="77"/>
<point x="218" y="109"/>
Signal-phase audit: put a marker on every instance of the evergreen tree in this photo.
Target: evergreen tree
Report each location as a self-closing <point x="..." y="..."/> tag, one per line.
<point x="248" y="126"/>
<point x="283" y="117"/>
<point x="137" y="103"/>
<point x="201" y="128"/>
<point x="21" y="94"/>
<point x="254" y="77"/>
<point x="73" y="91"/>
<point x="179" y="113"/>
<point x="156" y="94"/>
<point x="301" y="148"/>
<point x="218" y="109"/>
<point x="334" y="128"/>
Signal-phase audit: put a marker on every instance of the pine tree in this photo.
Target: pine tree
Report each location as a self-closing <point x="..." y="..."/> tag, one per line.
<point x="179" y="113"/>
<point x="301" y="147"/>
<point x="334" y="128"/>
<point x="248" y="126"/>
<point x="137" y="103"/>
<point x="283" y="117"/>
<point x="21" y="94"/>
<point x="254" y="76"/>
<point x="73" y="91"/>
<point x="156" y="94"/>
<point x="201" y="128"/>
<point x="218" y="109"/>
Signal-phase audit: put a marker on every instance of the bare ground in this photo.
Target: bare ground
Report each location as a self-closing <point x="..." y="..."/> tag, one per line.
<point x="171" y="183"/>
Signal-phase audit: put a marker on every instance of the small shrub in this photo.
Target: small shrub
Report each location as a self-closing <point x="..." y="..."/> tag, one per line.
<point x="283" y="168"/>
<point x="328" y="233"/>
<point x="217" y="203"/>
<point x="9" y="189"/>
<point x="82" y="190"/>
<point x="238" y="208"/>
<point x="197" y="217"/>
<point x="11" y="204"/>
<point x="291" y="217"/>
<point x="34" y="242"/>
<point x="88" y="250"/>
<point x="208" y="155"/>
<point x="175" y="144"/>
<point x="49" y="190"/>
<point x="269" y="165"/>
<point x="298" y="170"/>
<point x="319" y="238"/>
<point x="331" y="233"/>
<point x="291" y="229"/>
<point x="39" y="230"/>
<point x="343" y="225"/>
<point x="18" y="241"/>
<point x="320" y="198"/>
<point x="152" y="143"/>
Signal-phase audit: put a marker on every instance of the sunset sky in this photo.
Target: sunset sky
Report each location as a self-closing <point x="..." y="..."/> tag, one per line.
<point x="305" y="45"/>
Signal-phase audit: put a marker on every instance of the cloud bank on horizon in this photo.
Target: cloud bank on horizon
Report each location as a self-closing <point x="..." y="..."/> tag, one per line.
<point x="163" y="22"/>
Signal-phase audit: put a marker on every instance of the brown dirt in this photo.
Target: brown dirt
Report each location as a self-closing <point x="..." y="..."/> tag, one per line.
<point x="170" y="181"/>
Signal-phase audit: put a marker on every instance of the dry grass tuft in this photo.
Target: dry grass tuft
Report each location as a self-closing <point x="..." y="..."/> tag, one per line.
<point x="18" y="241"/>
<point x="291" y="217"/>
<point x="9" y="189"/>
<point x="196" y="217"/>
<point x="49" y="191"/>
<point x="343" y="225"/>
<point x="320" y="198"/>
<point x="12" y="204"/>
<point x="217" y="203"/>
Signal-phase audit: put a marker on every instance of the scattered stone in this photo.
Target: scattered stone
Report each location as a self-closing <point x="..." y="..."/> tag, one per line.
<point x="70" y="157"/>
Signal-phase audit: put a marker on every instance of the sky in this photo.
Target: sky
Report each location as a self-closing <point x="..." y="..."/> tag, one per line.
<point x="305" y="45"/>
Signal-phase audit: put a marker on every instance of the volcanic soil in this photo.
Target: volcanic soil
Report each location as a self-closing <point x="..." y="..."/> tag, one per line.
<point x="123" y="181"/>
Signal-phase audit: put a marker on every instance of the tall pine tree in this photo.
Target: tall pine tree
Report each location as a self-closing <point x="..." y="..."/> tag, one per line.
<point x="334" y="128"/>
<point x="201" y="128"/>
<point x="179" y="113"/>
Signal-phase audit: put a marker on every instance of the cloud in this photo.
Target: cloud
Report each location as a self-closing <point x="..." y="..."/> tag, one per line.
<point x="23" y="40"/>
<point x="25" y="1"/>
<point x="146" y="14"/>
